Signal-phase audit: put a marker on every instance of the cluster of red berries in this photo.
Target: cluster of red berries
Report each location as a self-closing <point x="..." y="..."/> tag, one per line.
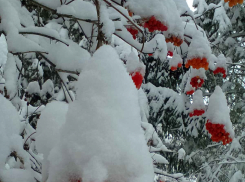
<point x="220" y="70"/>
<point x="190" y="92"/>
<point x="218" y="133"/>
<point x="197" y="112"/>
<point x="197" y="63"/>
<point x="174" y="68"/>
<point x="170" y="53"/>
<point x="196" y="82"/>
<point x="153" y="24"/>
<point x="137" y="79"/>
<point x="175" y="40"/>
<point x="233" y="2"/>
<point x="133" y="32"/>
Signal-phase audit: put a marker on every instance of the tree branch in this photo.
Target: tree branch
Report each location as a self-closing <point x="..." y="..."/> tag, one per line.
<point x="40" y="34"/>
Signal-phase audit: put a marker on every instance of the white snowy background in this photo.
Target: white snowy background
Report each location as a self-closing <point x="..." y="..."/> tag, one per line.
<point x="190" y="4"/>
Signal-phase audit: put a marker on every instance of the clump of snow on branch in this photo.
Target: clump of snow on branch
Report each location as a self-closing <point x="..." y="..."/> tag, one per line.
<point x="218" y="111"/>
<point x="112" y="153"/>
<point x="133" y="64"/>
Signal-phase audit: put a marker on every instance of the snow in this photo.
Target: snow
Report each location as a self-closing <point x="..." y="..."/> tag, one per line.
<point x="157" y="96"/>
<point x="152" y="136"/>
<point x="50" y="3"/>
<point x="221" y="62"/>
<point x="176" y="59"/>
<point x="199" y="46"/>
<point x="10" y="141"/>
<point x="9" y="117"/>
<point x="107" y="140"/>
<point x="33" y="88"/>
<point x="18" y="44"/>
<point x="14" y="175"/>
<point x="198" y="72"/>
<point x="10" y="76"/>
<point x="122" y="48"/>
<point x="198" y="102"/>
<point x="51" y="120"/>
<point x="218" y="111"/>
<point x="157" y="44"/>
<point x="3" y="50"/>
<point x="221" y="18"/>
<point x="238" y="176"/>
<point x="74" y="9"/>
<point x="183" y="7"/>
<point x="47" y="87"/>
<point x="164" y="11"/>
<point x="108" y="26"/>
<point x="71" y="57"/>
<point x="157" y="158"/>
<point x="133" y="64"/>
<point x="143" y="103"/>
<point x="181" y="154"/>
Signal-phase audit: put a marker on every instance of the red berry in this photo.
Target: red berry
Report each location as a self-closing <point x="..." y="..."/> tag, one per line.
<point x="190" y="92"/>
<point x="173" y="68"/>
<point x="170" y="53"/>
<point x="133" y="32"/>
<point x="137" y="79"/>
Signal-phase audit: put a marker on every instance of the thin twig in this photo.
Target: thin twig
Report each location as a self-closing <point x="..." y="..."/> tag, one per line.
<point x="48" y="36"/>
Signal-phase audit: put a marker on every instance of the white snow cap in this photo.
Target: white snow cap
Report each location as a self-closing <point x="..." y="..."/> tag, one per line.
<point x="197" y="101"/>
<point x="181" y="154"/>
<point x="218" y="111"/>
<point x="199" y="46"/>
<point x="176" y="59"/>
<point x="164" y="11"/>
<point x="33" y="88"/>
<point x="198" y="72"/>
<point x="102" y="139"/>
<point x="133" y="64"/>
<point x="221" y="61"/>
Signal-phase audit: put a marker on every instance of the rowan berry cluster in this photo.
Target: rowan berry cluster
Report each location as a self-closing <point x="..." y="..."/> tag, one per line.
<point x="220" y="70"/>
<point x="174" y="68"/>
<point x="170" y="53"/>
<point x="133" y="32"/>
<point x="153" y="24"/>
<point x="197" y="63"/>
<point x="190" y="92"/>
<point x="137" y="79"/>
<point x="197" y="112"/>
<point x="218" y="133"/>
<point x="233" y="2"/>
<point x="175" y="40"/>
<point x="196" y="82"/>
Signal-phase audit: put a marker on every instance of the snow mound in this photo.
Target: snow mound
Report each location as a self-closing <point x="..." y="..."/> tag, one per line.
<point x="102" y="139"/>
